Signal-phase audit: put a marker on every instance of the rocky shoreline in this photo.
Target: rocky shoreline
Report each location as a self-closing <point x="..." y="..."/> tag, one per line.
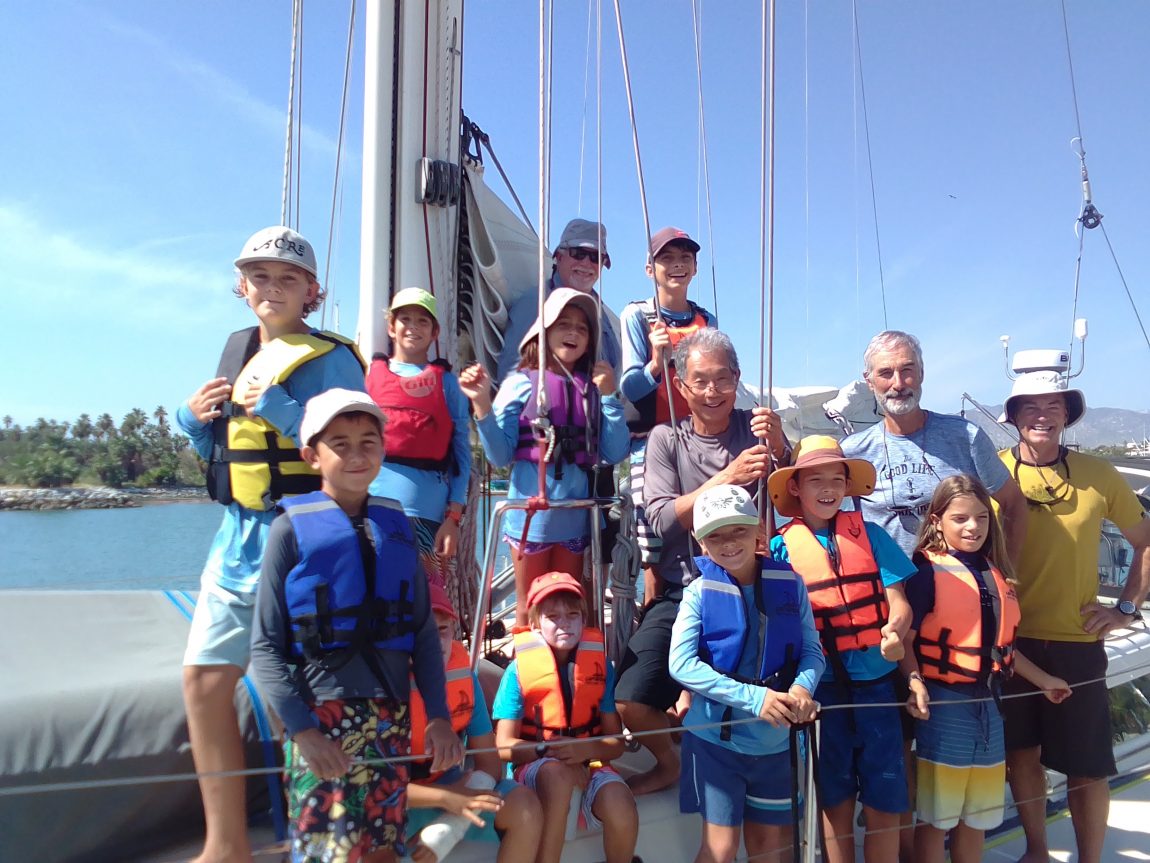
<point x="92" y="498"/>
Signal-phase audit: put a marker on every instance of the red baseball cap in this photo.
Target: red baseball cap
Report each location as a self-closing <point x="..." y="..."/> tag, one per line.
<point x="553" y="582"/>
<point x="667" y="236"/>
<point x="440" y="601"/>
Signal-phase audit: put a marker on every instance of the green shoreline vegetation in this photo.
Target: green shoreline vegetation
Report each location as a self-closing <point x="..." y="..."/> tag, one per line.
<point x="139" y="452"/>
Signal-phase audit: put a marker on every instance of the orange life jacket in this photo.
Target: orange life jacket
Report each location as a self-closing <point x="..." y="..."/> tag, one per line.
<point x="951" y="646"/>
<point x="544" y="712"/>
<point x="460" y="701"/>
<point x="653" y="408"/>
<point x="847" y="595"/>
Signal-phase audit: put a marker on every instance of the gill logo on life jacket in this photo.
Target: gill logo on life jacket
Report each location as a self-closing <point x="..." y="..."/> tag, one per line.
<point x="420" y="386"/>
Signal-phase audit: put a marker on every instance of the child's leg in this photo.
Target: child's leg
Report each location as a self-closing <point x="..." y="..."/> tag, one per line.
<point x="521" y="822"/>
<point x="929" y="843"/>
<point x="613" y="806"/>
<point x="554" y="783"/>
<point x="839" y="832"/>
<point x="768" y="843"/>
<point x="880" y="843"/>
<point x="214" y="732"/>
<point x="527" y="567"/>
<point x="720" y="844"/>
<point x="966" y="844"/>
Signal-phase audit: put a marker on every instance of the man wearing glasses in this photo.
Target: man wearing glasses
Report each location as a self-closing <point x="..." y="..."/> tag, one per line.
<point x="913" y="449"/>
<point x="577" y="265"/>
<point x="715" y="444"/>
<point x="1063" y="624"/>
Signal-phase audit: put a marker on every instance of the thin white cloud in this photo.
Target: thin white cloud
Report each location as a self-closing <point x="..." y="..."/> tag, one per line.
<point x="211" y="81"/>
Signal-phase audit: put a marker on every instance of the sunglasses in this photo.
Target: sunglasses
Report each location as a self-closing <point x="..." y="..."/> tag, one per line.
<point x="1045" y="495"/>
<point x="579" y="254"/>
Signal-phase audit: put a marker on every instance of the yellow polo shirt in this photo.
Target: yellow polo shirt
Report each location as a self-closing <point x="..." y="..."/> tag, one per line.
<point x="1058" y="572"/>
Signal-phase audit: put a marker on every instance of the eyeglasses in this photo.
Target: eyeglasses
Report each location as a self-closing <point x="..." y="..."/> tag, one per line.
<point x="722" y="386"/>
<point x="1045" y="494"/>
<point x="580" y="254"/>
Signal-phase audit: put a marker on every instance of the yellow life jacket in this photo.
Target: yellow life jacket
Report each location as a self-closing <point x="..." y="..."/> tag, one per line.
<point x="252" y="463"/>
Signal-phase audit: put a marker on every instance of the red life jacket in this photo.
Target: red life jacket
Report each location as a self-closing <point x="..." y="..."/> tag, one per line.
<point x="460" y="701"/>
<point x="951" y="644"/>
<point x="653" y="408"/>
<point x="419" y="425"/>
<point x="545" y="714"/>
<point x="848" y="600"/>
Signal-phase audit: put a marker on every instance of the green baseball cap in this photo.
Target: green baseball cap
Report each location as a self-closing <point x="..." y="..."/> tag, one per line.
<point x="415" y="297"/>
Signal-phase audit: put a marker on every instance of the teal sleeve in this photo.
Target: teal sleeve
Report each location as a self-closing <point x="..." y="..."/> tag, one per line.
<point x="509" y="697"/>
<point x="607" y="704"/>
<point x="893" y="564"/>
<point x="779" y="550"/>
<point x="480" y="723"/>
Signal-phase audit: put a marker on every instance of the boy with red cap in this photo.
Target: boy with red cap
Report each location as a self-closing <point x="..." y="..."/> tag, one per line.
<point x="649" y="336"/>
<point x="853" y="571"/>
<point x="457" y="804"/>
<point x="558" y="689"/>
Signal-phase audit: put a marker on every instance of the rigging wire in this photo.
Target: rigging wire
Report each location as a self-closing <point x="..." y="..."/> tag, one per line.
<point x="1125" y="286"/>
<point x="297" y="150"/>
<point x="696" y="23"/>
<point x="869" y="157"/>
<point x="286" y="194"/>
<point x="338" y="159"/>
<point x="806" y="190"/>
<point x="583" y="124"/>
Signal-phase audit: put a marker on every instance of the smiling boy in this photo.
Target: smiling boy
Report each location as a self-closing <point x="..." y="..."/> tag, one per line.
<point x="853" y="572"/>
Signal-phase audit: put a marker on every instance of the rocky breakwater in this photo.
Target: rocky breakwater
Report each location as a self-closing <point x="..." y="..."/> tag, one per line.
<point x="65" y="498"/>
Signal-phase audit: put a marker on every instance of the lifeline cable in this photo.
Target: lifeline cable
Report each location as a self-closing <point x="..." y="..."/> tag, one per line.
<point x="540" y="747"/>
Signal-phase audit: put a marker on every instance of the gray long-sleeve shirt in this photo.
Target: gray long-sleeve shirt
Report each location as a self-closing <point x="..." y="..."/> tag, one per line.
<point x="667" y="476"/>
<point x="291" y="688"/>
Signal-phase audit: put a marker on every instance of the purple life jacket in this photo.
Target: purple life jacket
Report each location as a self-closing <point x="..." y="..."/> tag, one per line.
<point x="574" y="414"/>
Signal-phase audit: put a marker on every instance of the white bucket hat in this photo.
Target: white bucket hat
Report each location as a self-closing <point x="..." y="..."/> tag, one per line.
<point x="1045" y="383"/>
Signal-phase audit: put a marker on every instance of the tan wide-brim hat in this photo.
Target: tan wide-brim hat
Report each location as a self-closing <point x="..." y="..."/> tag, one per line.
<point x="815" y="451"/>
<point x="554" y="305"/>
<point x="1045" y="383"/>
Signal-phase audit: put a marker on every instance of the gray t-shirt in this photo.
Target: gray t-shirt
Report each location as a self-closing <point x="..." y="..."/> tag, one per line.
<point x="667" y="476"/>
<point x="910" y="467"/>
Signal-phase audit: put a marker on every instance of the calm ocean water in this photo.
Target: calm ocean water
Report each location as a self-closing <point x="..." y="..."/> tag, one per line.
<point x="154" y="547"/>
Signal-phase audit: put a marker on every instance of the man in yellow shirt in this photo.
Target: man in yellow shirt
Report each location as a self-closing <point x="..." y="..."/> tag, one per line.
<point x="1063" y="624"/>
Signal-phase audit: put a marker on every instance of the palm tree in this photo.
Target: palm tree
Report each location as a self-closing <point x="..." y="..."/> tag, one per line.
<point x="133" y="422"/>
<point x="82" y="428"/>
<point x="105" y="427"/>
<point x="160" y="415"/>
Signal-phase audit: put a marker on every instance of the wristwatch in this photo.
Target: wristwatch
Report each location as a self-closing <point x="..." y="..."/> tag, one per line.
<point x="1127" y="607"/>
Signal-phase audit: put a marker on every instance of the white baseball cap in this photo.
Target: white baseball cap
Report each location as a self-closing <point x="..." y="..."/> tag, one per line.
<point x="1045" y="383"/>
<point x="322" y="409"/>
<point x="278" y="243"/>
<point x="721" y="506"/>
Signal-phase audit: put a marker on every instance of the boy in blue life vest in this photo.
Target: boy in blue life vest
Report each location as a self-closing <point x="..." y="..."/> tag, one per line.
<point x="559" y="688"/>
<point x="460" y="804"/>
<point x="744" y="642"/>
<point x="245" y="423"/>
<point x="649" y="337"/>
<point x="342" y="619"/>
<point x="853" y="571"/>
<point x="426" y="465"/>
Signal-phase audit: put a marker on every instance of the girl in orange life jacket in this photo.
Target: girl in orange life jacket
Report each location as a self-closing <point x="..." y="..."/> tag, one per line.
<point x="586" y="413"/>
<point x="559" y="688"/>
<point x="427" y="444"/>
<point x="448" y="807"/>
<point x="965" y="614"/>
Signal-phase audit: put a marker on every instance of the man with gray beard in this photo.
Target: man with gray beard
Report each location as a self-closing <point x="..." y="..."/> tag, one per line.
<point x="914" y="449"/>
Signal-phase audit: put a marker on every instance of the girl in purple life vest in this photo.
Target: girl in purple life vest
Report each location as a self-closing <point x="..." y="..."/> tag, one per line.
<point x="582" y="426"/>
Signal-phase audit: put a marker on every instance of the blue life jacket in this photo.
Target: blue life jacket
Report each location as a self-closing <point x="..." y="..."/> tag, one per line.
<point x="335" y="603"/>
<point x="724" y="632"/>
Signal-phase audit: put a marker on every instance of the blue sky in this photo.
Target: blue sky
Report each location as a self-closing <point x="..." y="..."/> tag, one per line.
<point x="143" y="142"/>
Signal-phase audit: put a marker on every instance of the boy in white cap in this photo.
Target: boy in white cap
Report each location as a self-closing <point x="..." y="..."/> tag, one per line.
<point x="245" y="423"/>
<point x="744" y="642"/>
<point x="428" y="453"/>
<point x="1068" y="494"/>
<point x="343" y="623"/>
<point x="853" y="571"/>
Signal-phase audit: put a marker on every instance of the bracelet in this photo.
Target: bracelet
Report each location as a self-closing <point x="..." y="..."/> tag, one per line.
<point x="454" y="515"/>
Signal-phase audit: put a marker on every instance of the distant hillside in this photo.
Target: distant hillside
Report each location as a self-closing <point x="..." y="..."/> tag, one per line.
<point x="1100" y="427"/>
